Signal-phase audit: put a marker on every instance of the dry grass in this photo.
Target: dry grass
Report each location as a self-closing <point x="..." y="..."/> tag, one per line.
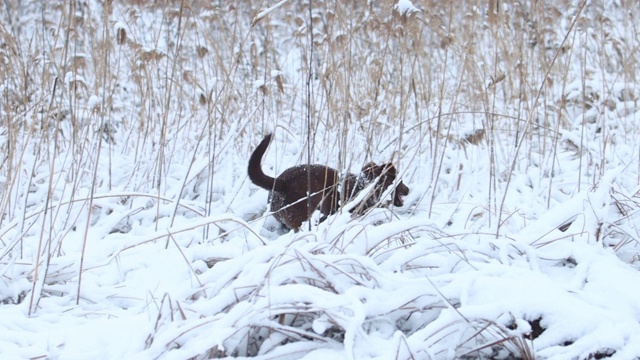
<point x="179" y="88"/>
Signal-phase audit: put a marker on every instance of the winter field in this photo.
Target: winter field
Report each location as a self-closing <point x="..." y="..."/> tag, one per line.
<point x="130" y="230"/>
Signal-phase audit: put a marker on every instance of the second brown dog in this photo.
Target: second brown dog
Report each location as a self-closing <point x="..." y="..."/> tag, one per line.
<point x="293" y="201"/>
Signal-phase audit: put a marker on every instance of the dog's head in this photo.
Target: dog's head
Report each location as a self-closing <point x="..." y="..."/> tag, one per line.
<point x="386" y="175"/>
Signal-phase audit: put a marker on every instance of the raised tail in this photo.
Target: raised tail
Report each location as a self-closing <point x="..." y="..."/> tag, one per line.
<point x="256" y="175"/>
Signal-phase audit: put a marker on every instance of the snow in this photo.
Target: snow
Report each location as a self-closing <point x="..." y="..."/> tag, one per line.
<point x="130" y="230"/>
<point x="405" y="7"/>
<point x="268" y="11"/>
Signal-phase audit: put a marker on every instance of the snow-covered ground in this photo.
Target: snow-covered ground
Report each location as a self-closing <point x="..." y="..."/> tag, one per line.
<point x="129" y="228"/>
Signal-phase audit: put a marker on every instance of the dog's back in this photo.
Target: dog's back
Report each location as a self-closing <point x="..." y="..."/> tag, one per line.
<point x="294" y="205"/>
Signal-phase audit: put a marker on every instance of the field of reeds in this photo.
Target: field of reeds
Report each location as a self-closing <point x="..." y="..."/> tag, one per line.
<point x="129" y="228"/>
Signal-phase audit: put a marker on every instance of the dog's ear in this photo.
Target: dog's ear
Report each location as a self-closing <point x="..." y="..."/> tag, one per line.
<point x="368" y="167"/>
<point x="371" y="170"/>
<point x="389" y="170"/>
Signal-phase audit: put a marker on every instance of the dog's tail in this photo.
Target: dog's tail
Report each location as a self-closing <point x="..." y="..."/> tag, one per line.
<point x="256" y="174"/>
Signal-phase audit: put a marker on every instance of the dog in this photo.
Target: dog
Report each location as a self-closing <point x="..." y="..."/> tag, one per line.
<point x="299" y="191"/>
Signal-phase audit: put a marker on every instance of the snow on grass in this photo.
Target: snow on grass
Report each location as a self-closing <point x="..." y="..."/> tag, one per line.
<point x="129" y="228"/>
<point x="405" y="7"/>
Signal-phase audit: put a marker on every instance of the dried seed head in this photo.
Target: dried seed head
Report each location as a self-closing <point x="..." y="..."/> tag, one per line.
<point x="202" y="51"/>
<point x="121" y="36"/>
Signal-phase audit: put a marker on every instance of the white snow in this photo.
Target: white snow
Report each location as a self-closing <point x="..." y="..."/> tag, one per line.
<point x="405" y="7"/>
<point x="130" y="230"/>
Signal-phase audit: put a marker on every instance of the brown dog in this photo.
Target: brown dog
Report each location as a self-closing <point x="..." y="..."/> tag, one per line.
<point x="289" y="192"/>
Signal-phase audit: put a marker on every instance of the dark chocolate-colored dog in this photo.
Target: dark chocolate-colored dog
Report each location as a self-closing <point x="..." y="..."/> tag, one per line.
<point x="294" y="199"/>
